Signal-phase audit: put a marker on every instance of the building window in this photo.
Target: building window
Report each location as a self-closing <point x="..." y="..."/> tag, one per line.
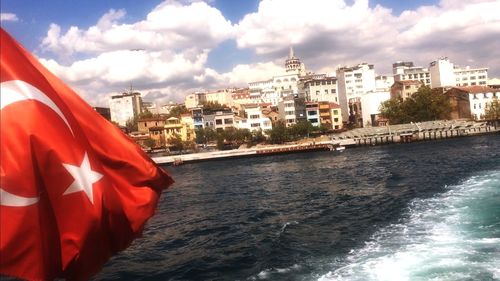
<point x="335" y="112"/>
<point x="335" y="119"/>
<point x="333" y="91"/>
<point x="253" y="125"/>
<point x="254" y="116"/>
<point x="228" y="121"/>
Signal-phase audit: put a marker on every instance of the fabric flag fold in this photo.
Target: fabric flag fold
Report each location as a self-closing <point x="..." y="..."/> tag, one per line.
<point x="74" y="189"/>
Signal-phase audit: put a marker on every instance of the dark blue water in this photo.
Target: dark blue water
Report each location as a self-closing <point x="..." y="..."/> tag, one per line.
<point x="400" y="212"/>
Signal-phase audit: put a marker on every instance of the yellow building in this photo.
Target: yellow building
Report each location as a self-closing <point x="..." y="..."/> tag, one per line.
<point x="182" y="127"/>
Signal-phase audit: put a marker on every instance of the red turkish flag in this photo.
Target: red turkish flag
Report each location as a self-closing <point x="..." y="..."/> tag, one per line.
<point x="74" y="189"/>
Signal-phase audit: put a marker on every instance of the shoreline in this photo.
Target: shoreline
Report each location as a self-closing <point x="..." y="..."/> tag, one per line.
<point x="331" y="145"/>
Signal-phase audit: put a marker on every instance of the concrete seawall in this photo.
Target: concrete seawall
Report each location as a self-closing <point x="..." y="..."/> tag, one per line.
<point x="352" y="140"/>
<point x="250" y="152"/>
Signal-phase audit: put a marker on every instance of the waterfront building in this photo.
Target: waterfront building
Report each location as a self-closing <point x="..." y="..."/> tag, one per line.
<point x="125" y="107"/>
<point x="326" y="114"/>
<point x="320" y="88"/>
<point x="353" y="82"/>
<point x="144" y="124"/>
<point x="312" y="113"/>
<point x="176" y="127"/>
<point x="364" y="111"/>
<point x="197" y="116"/>
<point x="188" y="128"/>
<point x="404" y="89"/>
<point x="254" y="119"/>
<point x="292" y="109"/>
<point x="479" y="98"/>
<point x="335" y="116"/>
<point x="223" y="120"/>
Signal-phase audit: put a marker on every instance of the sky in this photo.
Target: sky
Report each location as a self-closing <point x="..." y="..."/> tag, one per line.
<point x="168" y="49"/>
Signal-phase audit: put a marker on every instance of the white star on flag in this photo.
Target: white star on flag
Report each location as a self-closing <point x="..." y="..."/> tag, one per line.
<point x="84" y="178"/>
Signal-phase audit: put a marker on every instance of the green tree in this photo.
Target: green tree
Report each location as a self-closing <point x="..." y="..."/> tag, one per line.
<point x="425" y="105"/>
<point x="149" y="142"/>
<point x="279" y="133"/>
<point x="301" y="129"/>
<point x="131" y="125"/>
<point x="176" y="143"/>
<point x="177" y="110"/>
<point x="213" y="106"/>
<point x="492" y="112"/>
<point x="205" y="135"/>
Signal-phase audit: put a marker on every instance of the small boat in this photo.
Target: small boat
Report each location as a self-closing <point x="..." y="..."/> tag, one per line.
<point x="340" y="148"/>
<point x="177" y="162"/>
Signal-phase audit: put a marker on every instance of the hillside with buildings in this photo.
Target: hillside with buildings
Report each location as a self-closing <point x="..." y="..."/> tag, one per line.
<point x="351" y="99"/>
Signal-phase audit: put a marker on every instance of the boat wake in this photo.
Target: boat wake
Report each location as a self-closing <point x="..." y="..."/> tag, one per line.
<point x="453" y="236"/>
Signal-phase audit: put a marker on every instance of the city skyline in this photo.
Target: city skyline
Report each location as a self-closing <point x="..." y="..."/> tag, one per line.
<point x="167" y="49"/>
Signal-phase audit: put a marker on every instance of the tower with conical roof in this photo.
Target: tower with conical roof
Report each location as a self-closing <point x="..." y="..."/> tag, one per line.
<point x="293" y="64"/>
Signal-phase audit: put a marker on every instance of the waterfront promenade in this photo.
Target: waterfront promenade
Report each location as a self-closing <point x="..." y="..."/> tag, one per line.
<point x="393" y="134"/>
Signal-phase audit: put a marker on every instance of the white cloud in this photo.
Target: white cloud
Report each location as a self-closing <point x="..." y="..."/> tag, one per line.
<point x="165" y="51"/>
<point x="8" y="17"/>
<point x="326" y="33"/>
<point x="165" y="54"/>
<point x="170" y="26"/>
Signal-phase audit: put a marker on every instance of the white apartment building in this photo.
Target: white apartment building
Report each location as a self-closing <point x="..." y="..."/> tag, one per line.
<point x="466" y="76"/>
<point x="255" y="120"/>
<point x="370" y="106"/>
<point x="353" y="82"/>
<point x="445" y="74"/>
<point x="125" y="106"/>
<point x="442" y="74"/>
<point x="384" y="82"/>
<point x="480" y="97"/>
<point x="223" y="120"/>
<point x="321" y="89"/>
<point x="406" y="71"/>
<point x="286" y="84"/>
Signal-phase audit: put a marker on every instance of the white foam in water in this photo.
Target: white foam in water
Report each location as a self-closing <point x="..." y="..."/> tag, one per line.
<point x="448" y="237"/>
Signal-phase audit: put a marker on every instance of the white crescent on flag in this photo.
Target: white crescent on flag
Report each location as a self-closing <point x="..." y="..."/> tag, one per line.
<point x="16" y="91"/>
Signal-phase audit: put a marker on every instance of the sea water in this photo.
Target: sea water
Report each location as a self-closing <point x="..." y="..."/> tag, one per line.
<point x="420" y="211"/>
